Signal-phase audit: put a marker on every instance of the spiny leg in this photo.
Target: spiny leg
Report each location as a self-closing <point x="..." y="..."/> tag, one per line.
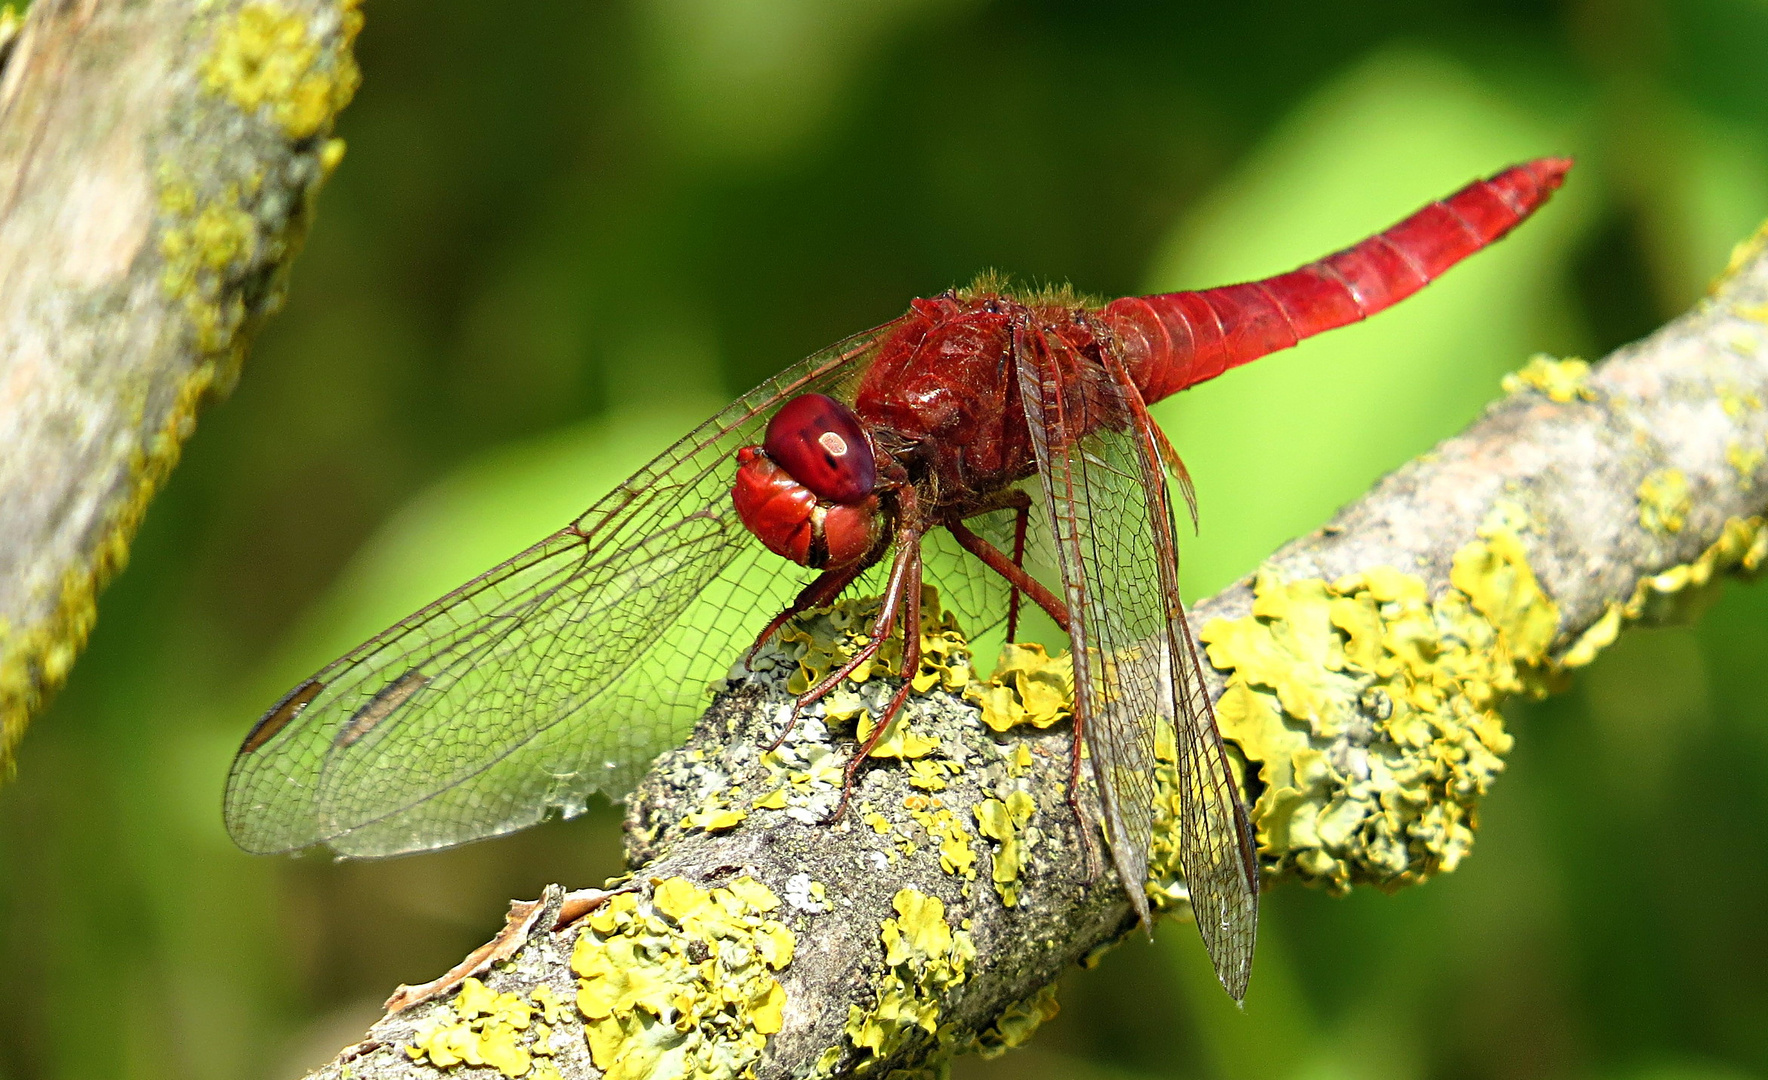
<point x="911" y="666"/>
<point x="908" y="551"/>
<point x="823" y="590"/>
<point x="881" y="628"/>
<point x="1015" y="574"/>
<point x="1094" y="865"/>
<point x="1022" y="581"/>
<point x="1021" y="504"/>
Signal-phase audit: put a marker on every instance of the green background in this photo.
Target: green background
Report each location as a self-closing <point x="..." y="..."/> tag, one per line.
<point x="564" y="233"/>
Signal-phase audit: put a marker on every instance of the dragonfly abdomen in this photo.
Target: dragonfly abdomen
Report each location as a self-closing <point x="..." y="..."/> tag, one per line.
<point x="1175" y="340"/>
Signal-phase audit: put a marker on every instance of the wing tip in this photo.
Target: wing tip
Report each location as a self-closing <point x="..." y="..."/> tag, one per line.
<point x="1235" y="982"/>
<point x="277" y="717"/>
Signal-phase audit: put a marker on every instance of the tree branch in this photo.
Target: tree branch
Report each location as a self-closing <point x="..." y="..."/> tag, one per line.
<point x="1358" y="674"/>
<point x="158" y="170"/>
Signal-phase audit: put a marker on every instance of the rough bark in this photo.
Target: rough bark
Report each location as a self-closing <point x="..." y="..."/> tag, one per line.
<point x="158" y="169"/>
<point x="1627" y="490"/>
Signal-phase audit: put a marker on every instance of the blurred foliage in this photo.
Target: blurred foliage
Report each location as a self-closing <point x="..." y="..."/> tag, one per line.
<point x="563" y="234"/>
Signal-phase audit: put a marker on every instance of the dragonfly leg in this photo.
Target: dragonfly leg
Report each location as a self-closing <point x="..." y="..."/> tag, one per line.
<point x="1015" y="574"/>
<point x="1022" y="581"/>
<point x="1020" y="503"/>
<point x="821" y="592"/>
<point x="908" y="552"/>
<point x="1090" y="851"/>
<point x="911" y="666"/>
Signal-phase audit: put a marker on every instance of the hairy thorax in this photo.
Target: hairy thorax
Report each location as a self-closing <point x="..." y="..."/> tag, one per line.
<point x="943" y="395"/>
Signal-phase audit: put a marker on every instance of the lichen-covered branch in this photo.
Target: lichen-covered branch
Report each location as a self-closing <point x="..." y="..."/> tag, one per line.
<point x="1357" y="675"/>
<point x="158" y="169"/>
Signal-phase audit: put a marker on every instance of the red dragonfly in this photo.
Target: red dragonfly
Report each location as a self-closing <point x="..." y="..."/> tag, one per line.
<point x="921" y="450"/>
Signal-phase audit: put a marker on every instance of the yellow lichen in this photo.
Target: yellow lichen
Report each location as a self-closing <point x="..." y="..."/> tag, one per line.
<point x="900" y="739"/>
<point x="1679" y="593"/>
<point x="713" y="817"/>
<point x="924" y="959"/>
<point x="1004" y="822"/>
<point x="1561" y="380"/>
<point x="1494" y="574"/>
<point x="1601" y="634"/>
<point x="1663" y="501"/>
<point x="554" y="1008"/>
<point x="931" y="775"/>
<point x="1743" y="252"/>
<point x="955" y="854"/>
<point x="1017" y="1023"/>
<point x="1737" y="402"/>
<point x="203" y="245"/>
<point x="264" y="56"/>
<point x="823" y="639"/>
<point x="1028" y="687"/>
<point x="773" y="800"/>
<point x="1370" y="711"/>
<point x="482" y="1027"/>
<point x="682" y="985"/>
<point x="1745" y="459"/>
<point x="900" y="833"/>
<point x="822" y="771"/>
<point x="331" y="155"/>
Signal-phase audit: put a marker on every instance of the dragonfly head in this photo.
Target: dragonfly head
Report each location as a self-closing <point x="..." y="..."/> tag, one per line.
<point x="807" y="491"/>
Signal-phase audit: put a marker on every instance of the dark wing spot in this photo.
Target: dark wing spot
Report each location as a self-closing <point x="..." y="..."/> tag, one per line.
<point x="280" y="714"/>
<point x="392" y="696"/>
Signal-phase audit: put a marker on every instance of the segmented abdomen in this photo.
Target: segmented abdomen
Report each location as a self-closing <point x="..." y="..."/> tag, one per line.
<point x="1175" y="340"/>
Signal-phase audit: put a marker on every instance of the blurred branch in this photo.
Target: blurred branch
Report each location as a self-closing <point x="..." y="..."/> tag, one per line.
<point x="1358" y="674"/>
<point x="158" y="170"/>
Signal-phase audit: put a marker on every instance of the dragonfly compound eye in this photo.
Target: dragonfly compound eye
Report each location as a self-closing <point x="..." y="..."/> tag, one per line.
<point x="824" y="446"/>
<point x="788" y="517"/>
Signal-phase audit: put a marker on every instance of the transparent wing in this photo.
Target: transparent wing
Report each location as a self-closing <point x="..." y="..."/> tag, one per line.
<point x="1217" y="847"/>
<point x="558" y="674"/>
<point x="966" y="586"/>
<point x="1218" y="850"/>
<point x="1135" y="668"/>
<point x="1100" y="521"/>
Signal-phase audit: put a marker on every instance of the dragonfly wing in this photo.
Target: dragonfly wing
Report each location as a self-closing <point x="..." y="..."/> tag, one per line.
<point x="1099" y="516"/>
<point x="1136" y="670"/>
<point x="1218" y="852"/>
<point x="558" y="674"/>
<point x="967" y="586"/>
<point x="1217" y="848"/>
<point x="977" y="594"/>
